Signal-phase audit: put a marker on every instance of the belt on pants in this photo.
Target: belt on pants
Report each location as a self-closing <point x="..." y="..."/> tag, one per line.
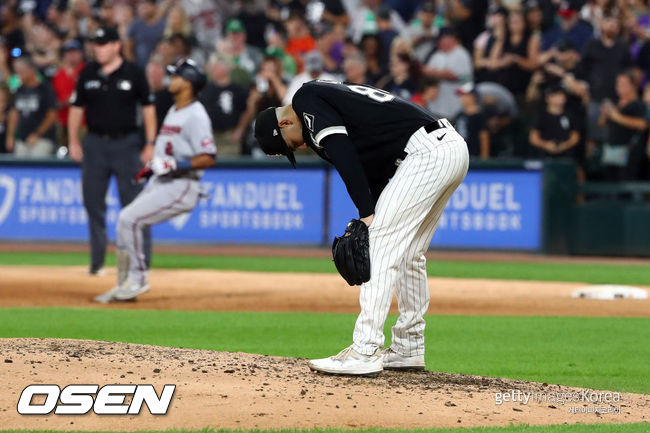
<point x="112" y="135"/>
<point x="429" y="128"/>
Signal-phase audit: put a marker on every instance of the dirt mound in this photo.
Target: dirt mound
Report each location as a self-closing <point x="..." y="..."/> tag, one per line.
<point x="237" y="390"/>
<point x="23" y="286"/>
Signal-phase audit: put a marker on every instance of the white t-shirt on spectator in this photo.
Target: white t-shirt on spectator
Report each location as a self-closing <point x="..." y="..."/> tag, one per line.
<point x="300" y="79"/>
<point x="459" y="62"/>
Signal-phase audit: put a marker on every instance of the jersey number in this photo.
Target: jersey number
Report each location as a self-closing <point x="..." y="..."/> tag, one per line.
<point x="372" y="93"/>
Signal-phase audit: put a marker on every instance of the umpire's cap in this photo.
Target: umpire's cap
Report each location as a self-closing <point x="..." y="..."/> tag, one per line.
<point x="269" y="137"/>
<point x="189" y="71"/>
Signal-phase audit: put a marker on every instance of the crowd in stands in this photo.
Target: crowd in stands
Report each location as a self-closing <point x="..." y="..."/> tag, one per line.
<point x="518" y="78"/>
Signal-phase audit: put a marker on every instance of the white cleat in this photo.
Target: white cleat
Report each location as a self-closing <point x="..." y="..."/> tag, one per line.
<point x="349" y="361"/>
<point x="395" y="361"/>
<point x="130" y="290"/>
<point x="107" y="297"/>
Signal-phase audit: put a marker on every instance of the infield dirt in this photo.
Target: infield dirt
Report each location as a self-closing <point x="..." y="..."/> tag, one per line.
<point x="236" y="390"/>
<point x="258" y="291"/>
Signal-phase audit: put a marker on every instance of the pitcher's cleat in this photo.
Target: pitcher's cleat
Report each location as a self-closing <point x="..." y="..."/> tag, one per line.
<point x="350" y="362"/>
<point x="395" y="361"/>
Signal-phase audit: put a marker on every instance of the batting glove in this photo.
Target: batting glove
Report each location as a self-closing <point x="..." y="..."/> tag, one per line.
<point x="163" y="166"/>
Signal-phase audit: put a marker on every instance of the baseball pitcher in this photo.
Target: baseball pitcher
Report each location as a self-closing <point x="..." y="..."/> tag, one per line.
<point x="371" y="136"/>
<point x="184" y="147"/>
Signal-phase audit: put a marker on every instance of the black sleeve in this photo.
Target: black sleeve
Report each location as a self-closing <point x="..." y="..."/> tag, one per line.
<point x="317" y="114"/>
<point x="79" y="96"/>
<point x="345" y="159"/>
<point x="142" y="92"/>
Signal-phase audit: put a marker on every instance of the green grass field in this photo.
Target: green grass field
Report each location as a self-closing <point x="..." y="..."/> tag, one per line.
<point x="599" y="353"/>
<point x="579" y="272"/>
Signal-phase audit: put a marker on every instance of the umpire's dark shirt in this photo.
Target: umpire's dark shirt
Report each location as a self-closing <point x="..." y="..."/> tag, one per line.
<point x="111" y="101"/>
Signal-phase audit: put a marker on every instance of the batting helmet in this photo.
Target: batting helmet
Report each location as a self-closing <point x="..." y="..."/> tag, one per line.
<point x="190" y="71"/>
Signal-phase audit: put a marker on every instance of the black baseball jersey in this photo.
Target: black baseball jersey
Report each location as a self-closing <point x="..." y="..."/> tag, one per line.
<point x="111" y="101"/>
<point x="377" y="124"/>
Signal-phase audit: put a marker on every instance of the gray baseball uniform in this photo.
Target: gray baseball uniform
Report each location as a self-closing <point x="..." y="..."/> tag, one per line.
<point x="185" y="133"/>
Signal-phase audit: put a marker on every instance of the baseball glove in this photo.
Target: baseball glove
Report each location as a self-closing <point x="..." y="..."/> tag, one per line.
<point x="351" y="253"/>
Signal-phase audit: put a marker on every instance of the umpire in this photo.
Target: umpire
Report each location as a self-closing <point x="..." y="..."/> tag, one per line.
<point x="110" y="89"/>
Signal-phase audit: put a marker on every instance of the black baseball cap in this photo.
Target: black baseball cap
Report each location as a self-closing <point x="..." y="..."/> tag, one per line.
<point x="269" y="137"/>
<point x="104" y="35"/>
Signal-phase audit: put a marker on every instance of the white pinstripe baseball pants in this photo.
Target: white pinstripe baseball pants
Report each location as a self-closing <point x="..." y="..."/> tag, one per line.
<point x="406" y="216"/>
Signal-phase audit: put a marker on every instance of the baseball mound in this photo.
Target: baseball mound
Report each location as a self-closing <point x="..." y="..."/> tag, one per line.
<point x="237" y="390"/>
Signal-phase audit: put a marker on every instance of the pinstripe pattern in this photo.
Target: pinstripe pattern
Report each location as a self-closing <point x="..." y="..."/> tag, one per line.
<point x="406" y="217"/>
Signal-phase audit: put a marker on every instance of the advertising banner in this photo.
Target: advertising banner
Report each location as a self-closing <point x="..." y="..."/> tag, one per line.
<point x="498" y="209"/>
<point x="239" y="206"/>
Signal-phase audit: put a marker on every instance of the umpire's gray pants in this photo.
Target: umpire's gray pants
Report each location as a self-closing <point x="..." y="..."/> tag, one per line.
<point x="162" y="199"/>
<point x="104" y="157"/>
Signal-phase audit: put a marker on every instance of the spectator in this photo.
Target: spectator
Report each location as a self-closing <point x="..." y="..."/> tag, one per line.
<point x="501" y="111"/>
<point x="354" y="69"/>
<point x="364" y="19"/>
<point x="107" y="14"/>
<point x="300" y="40"/>
<point x="484" y="66"/>
<point x="386" y="33"/>
<point x="253" y="15"/>
<point x="225" y="103"/>
<point x="65" y="81"/>
<point x="178" y="23"/>
<point x="423" y="31"/>
<point x="269" y="90"/>
<point x="10" y="28"/>
<point x="157" y="78"/>
<point x="313" y="71"/>
<point x="468" y="17"/>
<point x="562" y="69"/>
<point x="534" y="17"/>
<point x="571" y="28"/>
<point x="452" y="66"/>
<point x="602" y="60"/>
<point x="277" y="37"/>
<point x="515" y="56"/>
<point x="332" y="12"/>
<point x="555" y="132"/>
<point x="5" y="105"/>
<point x="206" y="18"/>
<point x="471" y="123"/>
<point x="124" y="16"/>
<point x="82" y="15"/>
<point x="330" y="47"/>
<point x="371" y="49"/>
<point x="428" y="95"/>
<point x="245" y="56"/>
<point x="403" y="78"/>
<point x="30" y="130"/>
<point x="43" y="45"/>
<point x="625" y="123"/>
<point x="60" y="19"/>
<point x="145" y="32"/>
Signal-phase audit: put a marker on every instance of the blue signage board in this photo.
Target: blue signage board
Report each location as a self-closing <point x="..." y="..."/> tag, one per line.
<point x="500" y="209"/>
<point x="240" y="205"/>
